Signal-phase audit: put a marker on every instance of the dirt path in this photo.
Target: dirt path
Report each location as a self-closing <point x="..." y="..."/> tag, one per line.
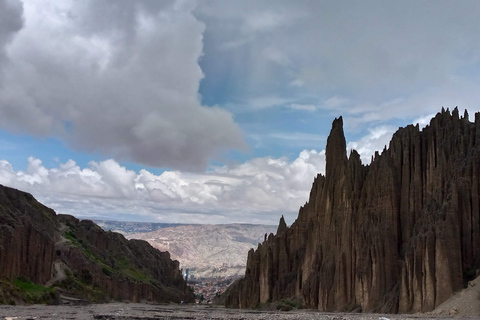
<point x="59" y="274"/>
<point x="124" y="311"/>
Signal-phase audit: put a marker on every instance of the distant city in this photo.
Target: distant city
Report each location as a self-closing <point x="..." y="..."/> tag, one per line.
<point x="207" y="290"/>
<point x="130" y="227"/>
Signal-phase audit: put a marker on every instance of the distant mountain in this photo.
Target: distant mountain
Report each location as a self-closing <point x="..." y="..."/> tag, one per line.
<point x="130" y="227"/>
<point x="208" y="250"/>
<point x="45" y="256"/>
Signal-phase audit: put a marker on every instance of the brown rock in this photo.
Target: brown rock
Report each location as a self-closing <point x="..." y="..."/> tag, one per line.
<point x="101" y="265"/>
<point x="399" y="235"/>
<point x="27" y="235"/>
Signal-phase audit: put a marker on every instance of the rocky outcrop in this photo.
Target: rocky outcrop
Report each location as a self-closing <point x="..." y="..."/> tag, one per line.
<point x="399" y="235"/>
<point x="27" y="236"/>
<point x="36" y="244"/>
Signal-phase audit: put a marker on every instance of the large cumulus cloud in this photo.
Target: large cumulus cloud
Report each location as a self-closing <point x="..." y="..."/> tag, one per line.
<point x="257" y="191"/>
<point x="119" y="78"/>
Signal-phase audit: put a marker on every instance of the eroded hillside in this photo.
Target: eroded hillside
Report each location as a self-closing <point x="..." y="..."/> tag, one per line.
<point x="39" y="249"/>
<point x="399" y="235"/>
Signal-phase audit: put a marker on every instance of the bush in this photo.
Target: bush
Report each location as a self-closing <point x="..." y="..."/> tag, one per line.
<point x="289" y="304"/>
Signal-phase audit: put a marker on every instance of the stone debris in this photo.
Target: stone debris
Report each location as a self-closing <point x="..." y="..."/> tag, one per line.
<point x="136" y="311"/>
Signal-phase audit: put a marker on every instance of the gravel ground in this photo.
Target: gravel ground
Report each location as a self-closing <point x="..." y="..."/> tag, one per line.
<point x="126" y="311"/>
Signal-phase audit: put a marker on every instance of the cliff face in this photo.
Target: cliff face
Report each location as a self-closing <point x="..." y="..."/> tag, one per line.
<point x="79" y="257"/>
<point x="27" y="235"/>
<point x="399" y="235"/>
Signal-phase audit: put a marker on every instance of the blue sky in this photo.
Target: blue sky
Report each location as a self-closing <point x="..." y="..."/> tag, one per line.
<point x="215" y="111"/>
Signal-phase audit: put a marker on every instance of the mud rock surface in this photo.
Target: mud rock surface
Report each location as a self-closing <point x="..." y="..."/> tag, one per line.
<point x="119" y="311"/>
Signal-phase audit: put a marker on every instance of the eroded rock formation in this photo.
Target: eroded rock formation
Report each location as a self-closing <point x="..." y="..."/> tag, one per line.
<point x="36" y="245"/>
<point x="27" y="236"/>
<point x="399" y="235"/>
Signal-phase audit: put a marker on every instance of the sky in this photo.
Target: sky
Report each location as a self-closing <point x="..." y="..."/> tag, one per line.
<point x="215" y="111"/>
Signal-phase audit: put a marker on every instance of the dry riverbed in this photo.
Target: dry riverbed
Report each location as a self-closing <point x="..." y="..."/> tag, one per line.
<point x="136" y="311"/>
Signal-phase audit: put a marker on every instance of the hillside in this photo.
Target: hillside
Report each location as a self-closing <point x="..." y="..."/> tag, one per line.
<point x="45" y="256"/>
<point x="208" y="250"/>
<point x="399" y="235"/>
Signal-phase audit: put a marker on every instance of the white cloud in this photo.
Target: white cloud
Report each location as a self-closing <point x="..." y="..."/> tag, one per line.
<point x="114" y="77"/>
<point x="424" y="120"/>
<point x="291" y="139"/>
<point x="276" y="55"/>
<point x="334" y="102"/>
<point x="260" y="190"/>
<point x="264" y="22"/>
<point x="376" y="140"/>
<point x="297" y="83"/>
<point x="264" y="102"/>
<point x="257" y="191"/>
<point x="305" y="107"/>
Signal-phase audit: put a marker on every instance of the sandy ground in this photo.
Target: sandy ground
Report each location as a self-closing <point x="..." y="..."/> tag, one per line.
<point x="463" y="303"/>
<point x="146" y="312"/>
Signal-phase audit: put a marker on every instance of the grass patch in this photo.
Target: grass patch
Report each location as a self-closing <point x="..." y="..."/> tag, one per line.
<point x="136" y="274"/>
<point x="30" y="287"/>
<point x="127" y="268"/>
<point x="74" y="284"/>
<point x="79" y="244"/>
<point x="289" y="304"/>
<point x="30" y="292"/>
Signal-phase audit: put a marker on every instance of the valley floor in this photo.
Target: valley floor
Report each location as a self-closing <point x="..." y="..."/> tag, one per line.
<point x="124" y="311"/>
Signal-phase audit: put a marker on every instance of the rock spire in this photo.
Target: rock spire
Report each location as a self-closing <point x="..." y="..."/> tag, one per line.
<point x="399" y="235"/>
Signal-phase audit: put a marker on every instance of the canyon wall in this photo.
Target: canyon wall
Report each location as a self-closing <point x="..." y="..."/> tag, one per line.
<point x="38" y="245"/>
<point x="399" y="235"/>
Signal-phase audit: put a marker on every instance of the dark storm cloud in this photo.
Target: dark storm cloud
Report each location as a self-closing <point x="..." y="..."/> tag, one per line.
<point x="11" y="21"/>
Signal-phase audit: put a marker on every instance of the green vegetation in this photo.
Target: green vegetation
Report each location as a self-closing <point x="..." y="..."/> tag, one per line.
<point x="289" y="304"/>
<point x="121" y="264"/>
<point x="281" y="305"/>
<point x="71" y="236"/>
<point x="25" y="291"/>
<point x="109" y="263"/>
<point x="79" y="243"/>
<point x="136" y="274"/>
<point x="31" y="288"/>
<point x="83" y="285"/>
<point x="126" y="267"/>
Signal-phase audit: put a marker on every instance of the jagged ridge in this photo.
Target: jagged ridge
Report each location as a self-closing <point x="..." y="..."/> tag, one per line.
<point x="36" y="244"/>
<point x="399" y="235"/>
